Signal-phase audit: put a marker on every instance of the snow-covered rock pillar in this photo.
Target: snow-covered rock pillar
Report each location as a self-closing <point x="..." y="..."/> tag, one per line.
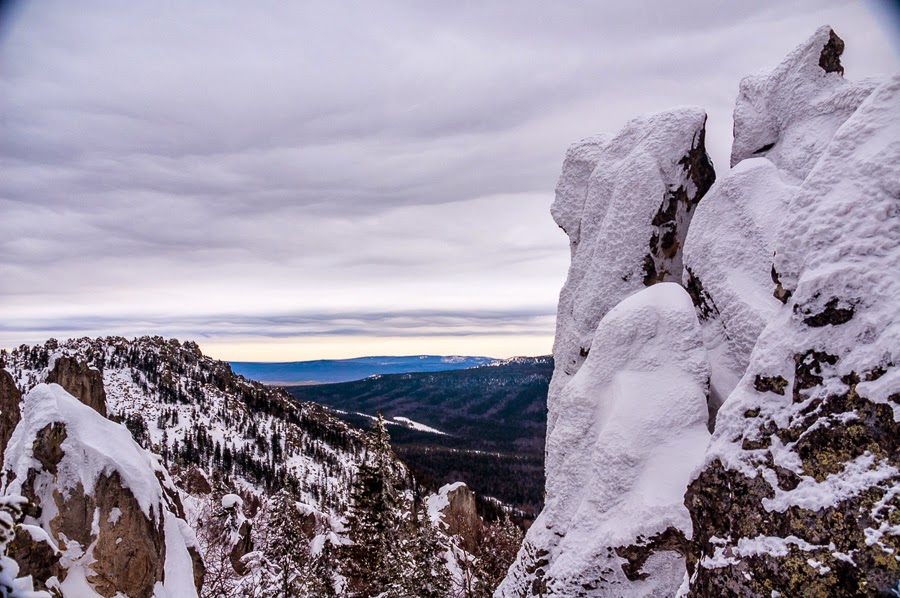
<point x="627" y="410"/>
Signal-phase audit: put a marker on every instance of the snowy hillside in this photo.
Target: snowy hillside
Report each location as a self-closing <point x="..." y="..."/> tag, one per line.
<point x="146" y="449"/>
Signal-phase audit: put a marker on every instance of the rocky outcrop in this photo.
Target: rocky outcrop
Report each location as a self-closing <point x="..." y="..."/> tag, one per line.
<point x="37" y="555"/>
<point x="9" y="408"/>
<point x="239" y="529"/>
<point x="784" y="120"/>
<point x="79" y="380"/>
<point x="454" y="507"/>
<point x="631" y="428"/>
<point x="625" y="202"/>
<point x="106" y="503"/>
<point x="799" y="495"/>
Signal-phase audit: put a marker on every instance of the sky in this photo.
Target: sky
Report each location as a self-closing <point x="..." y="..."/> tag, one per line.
<point x="301" y="180"/>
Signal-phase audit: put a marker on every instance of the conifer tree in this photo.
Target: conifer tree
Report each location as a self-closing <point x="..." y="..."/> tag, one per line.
<point x="428" y="576"/>
<point x="286" y="547"/>
<point x="372" y="564"/>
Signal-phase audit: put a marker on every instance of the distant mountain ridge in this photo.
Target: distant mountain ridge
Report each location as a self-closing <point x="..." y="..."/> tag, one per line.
<point x="327" y="371"/>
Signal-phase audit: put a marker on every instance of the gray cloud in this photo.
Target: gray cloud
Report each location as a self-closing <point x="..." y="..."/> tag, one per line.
<point x="173" y="168"/>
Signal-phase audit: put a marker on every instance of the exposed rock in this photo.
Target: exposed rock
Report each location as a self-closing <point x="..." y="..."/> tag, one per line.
<point x="10" y="398"/>
<point x="455" y="506"/>
<point x="242" y="547"/>
<point x="194" y="482"/>
<point x="631" y="428"/>
<point x="104" y="501"/>
<point x="801" y="498"/>
<point x="239" y="528"/>
<point x="79" y="380"/>
<point x="36" y="555"/>
<point x="625" y="202"/>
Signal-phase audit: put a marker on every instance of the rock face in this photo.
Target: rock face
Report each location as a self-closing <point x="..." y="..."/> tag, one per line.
<point x="107" y="504"/>
<point x="79" y="380"/>
<point x="9" y="408"/>
<point x="625" y="201"/>
<point x="799" y="495"/>
<point x="631" y="428"/>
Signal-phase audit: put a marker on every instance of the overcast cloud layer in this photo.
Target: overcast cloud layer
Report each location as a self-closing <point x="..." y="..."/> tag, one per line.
<point x="319" y="179"/>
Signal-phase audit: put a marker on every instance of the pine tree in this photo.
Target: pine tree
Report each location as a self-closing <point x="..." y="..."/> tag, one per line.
<point x="428" y="576"/>
<point x="373" y="563"/>
<point x="320" y="573"/>
<point x="286" y="547"/>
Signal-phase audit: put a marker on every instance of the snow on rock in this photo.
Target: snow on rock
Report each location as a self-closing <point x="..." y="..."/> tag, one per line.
<point x="77" y="467"/>
<point x="807" y="447"/>
<point x="631" y="429"/>
<point x="789" y="114"/>
<point x="625" y="201"/>
<point x="230" y="501"/>
<point x="728" y="265"/>
<point x="453" y="510"/>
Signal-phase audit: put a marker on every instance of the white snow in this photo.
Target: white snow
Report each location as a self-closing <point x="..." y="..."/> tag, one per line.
<point x="857" y="476"/>
<point x="417" y="426"/>
<point x="230" y="501"/>
<point x="179" y="571"/>
<point x="729" y="250"/>
<point x="795" y="107"/>
<point x="631" y="430"/>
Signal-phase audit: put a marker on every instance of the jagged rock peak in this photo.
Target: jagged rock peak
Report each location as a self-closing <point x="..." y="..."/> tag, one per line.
<point x="789" y="114"/>
<point x="631" y="428"/>
<point x="104" y="503"/>
<point x="626" y="202"/>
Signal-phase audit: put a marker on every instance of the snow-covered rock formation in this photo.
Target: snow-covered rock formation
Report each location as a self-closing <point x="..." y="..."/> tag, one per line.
<point x="801" y="490"/>
<point x="631" y="429"/>
<point x="728" y="266"/>
<point x="793" y="265"/>
<point x="101" y="501"/>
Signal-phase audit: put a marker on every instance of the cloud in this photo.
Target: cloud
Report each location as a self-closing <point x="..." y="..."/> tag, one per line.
<point x="168" y="167"/>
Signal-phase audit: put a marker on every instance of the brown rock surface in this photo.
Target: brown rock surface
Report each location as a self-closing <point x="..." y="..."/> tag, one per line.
<point x="9" y="408"/>
<point x="81" y="381"/>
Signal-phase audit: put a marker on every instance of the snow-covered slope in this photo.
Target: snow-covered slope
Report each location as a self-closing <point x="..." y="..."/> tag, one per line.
<point x="801" y="491"/>
<point x="631" y="428"/>
<point x="194" y="411"/>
